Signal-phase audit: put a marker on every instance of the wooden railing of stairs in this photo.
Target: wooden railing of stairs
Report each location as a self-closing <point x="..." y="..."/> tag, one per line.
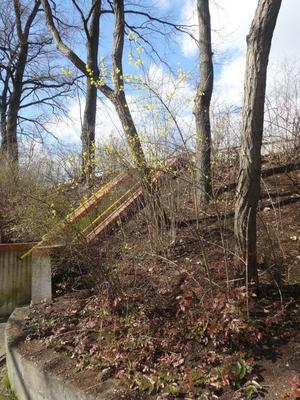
<point x="100" y="213"/>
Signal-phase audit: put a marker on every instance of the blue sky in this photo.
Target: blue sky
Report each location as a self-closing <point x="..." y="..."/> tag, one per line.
<point x="231" y="21"/>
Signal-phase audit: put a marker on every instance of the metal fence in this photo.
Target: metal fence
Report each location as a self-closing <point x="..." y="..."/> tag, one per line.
<point x="15" y="277"/>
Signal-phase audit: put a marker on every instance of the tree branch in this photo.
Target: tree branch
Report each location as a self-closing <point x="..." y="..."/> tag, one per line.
<point x="69" y="53"/>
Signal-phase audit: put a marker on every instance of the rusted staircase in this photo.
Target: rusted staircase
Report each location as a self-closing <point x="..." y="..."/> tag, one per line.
<point x="99" y="213"/>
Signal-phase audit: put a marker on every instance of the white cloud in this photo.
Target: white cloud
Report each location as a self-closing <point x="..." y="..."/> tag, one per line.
<point x="149" y="122"/>
<point x="231" y="20"/>
<point x="175" y="92"/>
<point x="163" y="4"/>
<point x="229" y="84"/>
<point x="68" y="129"/>
<point x="167" y="5"/>
<point x="189" y="17"/>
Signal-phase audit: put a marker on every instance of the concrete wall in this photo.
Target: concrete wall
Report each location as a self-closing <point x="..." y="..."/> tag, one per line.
<point x="15" y="277"/>
<point x="34" y="379"/>
<point x="41" y="282"/>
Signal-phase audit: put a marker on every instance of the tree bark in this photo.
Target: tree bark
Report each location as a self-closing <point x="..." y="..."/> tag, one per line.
<point x="14" y="105"/>
<point x="202" y="105"/>
<point x="248" y="186"/>
<point x="90" y="111"/>
<point x="88" y="133"/>
<point x="15" y="99"/>
<point x="120" y="101"/>
<point x="3" y="107"/>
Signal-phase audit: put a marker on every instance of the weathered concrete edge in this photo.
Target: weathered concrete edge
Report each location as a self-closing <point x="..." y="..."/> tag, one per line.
<point x="32" y="380"/>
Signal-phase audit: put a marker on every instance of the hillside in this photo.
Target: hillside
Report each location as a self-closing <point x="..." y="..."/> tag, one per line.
<point x="160" y="308"/>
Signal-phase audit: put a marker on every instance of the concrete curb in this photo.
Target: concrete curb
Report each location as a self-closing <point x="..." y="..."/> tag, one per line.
<point x="33" y="380"/>
<point x="2" y="347"/>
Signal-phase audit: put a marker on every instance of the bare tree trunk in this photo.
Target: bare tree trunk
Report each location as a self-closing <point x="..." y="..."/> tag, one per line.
<point x="90" y="111"/>
<point x="88" y="133"/>
<point x="120" y="101"/>
<point x="122" y="108"/>
<point x="14" y="105"/>
<point x="15" y="99"/>
<point x="131" y="133"/>
<point x="248" y="186"/>
<point x="202" y="105"/>
<point x="3" y="111"/>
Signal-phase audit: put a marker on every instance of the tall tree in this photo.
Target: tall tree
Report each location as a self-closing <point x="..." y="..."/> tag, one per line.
<point x="140" y="21"/>
<point x="92" y="33"/>
<point x="32" y="86"/>
<point x="115" y="94"/>
<point x="248" y="187"/>
<point x="202" y="104"/>
<point x="10" y="142"/>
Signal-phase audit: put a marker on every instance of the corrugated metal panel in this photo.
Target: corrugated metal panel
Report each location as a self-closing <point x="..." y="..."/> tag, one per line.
<point x="15" y="280"/>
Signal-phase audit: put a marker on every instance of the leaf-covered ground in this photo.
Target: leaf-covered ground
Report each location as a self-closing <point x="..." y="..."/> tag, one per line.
<point x="165" y="313"/>
<point x="183" y="344"/>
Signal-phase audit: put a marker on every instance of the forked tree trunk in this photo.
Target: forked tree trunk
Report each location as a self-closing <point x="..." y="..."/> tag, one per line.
<point x="116" y="95"/>
<point x="202" y="105"/>
<point x="248" y="186"/>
